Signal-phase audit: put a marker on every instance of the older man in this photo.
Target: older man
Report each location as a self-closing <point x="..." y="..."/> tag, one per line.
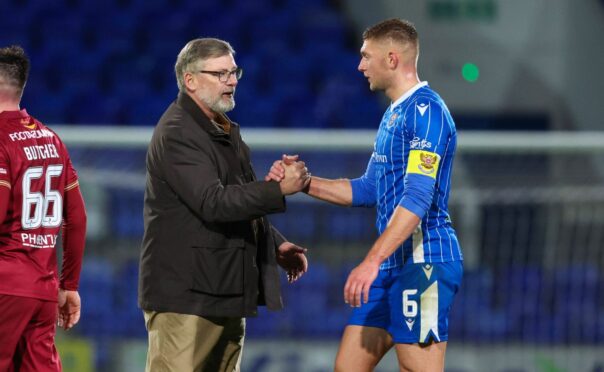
<point x="209" y="255"/>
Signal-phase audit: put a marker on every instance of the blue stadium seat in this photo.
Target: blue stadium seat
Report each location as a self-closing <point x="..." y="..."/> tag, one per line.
<point x="128" y="315"/>
<point x="307" y="301"/>
<point x="126" y="207"/>
<point x="278" y="28"/>
<point x="324" y="25"/>
<point x="298" y="223"/>
<point x="115" y="42"/>
<point x="267" y="323"/>
<point x="97" y="285"/>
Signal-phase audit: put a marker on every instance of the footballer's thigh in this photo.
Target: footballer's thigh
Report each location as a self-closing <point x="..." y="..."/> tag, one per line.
<point x="362" y="348"/>
<point x="366" y="338"/>
<point x="421" y="357"/>
<point x="421" y="303"/>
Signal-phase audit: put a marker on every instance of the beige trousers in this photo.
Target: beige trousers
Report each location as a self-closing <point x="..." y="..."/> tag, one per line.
<point x="190" y="343"/>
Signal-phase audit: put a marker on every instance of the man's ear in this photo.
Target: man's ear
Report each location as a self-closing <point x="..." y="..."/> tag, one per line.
<point x="393" y="60"/>
<point x="189" y="81"/>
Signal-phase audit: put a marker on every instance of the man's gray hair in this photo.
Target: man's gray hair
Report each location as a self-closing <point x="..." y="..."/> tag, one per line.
<point x="199" y="50"/>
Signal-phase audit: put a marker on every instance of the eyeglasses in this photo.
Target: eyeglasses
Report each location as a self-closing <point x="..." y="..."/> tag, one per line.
<point x="224" y="76"/>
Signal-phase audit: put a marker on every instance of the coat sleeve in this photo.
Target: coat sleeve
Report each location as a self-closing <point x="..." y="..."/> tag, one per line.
<point x="191" y="171"/>
<point x="279" y="238"/>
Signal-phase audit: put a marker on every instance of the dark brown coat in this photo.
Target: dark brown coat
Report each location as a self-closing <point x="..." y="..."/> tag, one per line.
<point x="199" y="253"/>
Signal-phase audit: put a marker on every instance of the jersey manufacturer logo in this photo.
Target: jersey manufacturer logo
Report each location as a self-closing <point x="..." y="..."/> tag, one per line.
<point x="428" y="270"/>
<point x="422" y="107"/>
<point x="392" y="120"/>
<point x="410" y="322"/>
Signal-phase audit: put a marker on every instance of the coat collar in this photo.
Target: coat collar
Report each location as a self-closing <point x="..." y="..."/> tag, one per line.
<point x="187" y="103"/>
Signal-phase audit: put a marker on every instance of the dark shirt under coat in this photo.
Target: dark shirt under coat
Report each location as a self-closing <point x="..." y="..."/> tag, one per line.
<point x="207" y="249"/>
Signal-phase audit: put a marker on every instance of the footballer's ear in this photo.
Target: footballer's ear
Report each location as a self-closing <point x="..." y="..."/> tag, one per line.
<point x="393" y="60"/>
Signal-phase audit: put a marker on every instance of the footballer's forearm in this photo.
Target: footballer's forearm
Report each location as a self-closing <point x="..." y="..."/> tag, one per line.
<point x="401" y="226"/>
<point x="334" y="191"/>
<point x="74" y="238"/>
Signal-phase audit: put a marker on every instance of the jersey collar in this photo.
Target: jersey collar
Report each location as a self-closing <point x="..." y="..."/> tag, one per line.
<point x="408" y="94"/>
<point x="13" y="114"/>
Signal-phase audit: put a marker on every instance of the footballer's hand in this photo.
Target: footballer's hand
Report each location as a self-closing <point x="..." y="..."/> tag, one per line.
<point x="277" y="171"/>
<point x="356" y="289"/>
<point x="296" y="178"/>
<point x="69" y="307"/>
<point x="292" y="259"/>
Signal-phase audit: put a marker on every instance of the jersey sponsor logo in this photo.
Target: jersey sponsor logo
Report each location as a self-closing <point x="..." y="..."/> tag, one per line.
<point x="417" y="143"/>
<point x="3" y="171"/>
<point x="422" y="107"/>
<point x="25" y="135"/>
<point x="423" y="162"/>
<point x="392" y="120"/>
<point x="377" y="158"/>
<point x="38" y="241"/>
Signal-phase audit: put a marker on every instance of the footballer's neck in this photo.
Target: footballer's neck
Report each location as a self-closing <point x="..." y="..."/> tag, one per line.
<point x="9" y="101"/>
<point x="402" y="84"/>
<point x="9" y="106"/>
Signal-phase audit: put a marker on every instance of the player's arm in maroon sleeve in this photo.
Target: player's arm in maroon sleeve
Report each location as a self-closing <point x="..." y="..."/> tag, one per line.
<point x="4" y="199"/>
<point x="74" y="237"/>
<point x="5" y="185"/>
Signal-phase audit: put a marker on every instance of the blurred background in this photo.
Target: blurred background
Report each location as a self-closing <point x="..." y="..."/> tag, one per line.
<point x="522" y="78"/>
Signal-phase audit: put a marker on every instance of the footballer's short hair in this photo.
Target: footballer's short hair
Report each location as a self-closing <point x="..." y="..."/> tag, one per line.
<point x="14" y="68"/>
<point x="397" y="30"/>
<point x="199" y="50"/>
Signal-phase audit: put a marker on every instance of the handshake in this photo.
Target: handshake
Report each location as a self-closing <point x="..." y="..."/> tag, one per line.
<point x="292" y="174"/>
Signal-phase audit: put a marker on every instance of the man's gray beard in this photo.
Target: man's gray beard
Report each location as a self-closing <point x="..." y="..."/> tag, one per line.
<point x="222" y="107"/>
<point x="218" y="106"/>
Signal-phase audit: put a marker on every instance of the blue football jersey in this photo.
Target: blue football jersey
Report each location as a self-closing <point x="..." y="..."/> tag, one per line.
<point x="411" y="166"/>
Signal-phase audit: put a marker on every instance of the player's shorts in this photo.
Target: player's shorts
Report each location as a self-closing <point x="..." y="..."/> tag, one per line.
<point x="412" y="302"/>
<point x="27" y="335"/>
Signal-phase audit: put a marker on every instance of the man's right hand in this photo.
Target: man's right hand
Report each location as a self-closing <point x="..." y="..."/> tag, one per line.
<point x="277" y="171"/>
<point x="295" y="177"/>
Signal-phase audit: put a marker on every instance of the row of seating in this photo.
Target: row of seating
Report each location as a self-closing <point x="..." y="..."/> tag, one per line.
<point x="114" y="64"/>
<point x="518" y="304"/>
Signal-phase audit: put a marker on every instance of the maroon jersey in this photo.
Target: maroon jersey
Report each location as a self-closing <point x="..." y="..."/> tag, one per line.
<point x="35" y="166"/>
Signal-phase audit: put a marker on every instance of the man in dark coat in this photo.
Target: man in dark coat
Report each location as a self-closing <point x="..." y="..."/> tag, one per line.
<point x="209" y="255"/>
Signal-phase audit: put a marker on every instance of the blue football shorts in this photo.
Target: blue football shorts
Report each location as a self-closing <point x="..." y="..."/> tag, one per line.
<point x="412" y="302"/>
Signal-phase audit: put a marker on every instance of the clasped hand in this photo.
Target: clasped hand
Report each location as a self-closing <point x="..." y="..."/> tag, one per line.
<point x="292" y="174"/>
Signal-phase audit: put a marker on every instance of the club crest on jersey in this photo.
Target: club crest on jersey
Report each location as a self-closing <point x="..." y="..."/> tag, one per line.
<point x="392" y="120"/>
<point x="423" y="162"/>
<point x="422" y="107"/>
<point x="427" y="163"/>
